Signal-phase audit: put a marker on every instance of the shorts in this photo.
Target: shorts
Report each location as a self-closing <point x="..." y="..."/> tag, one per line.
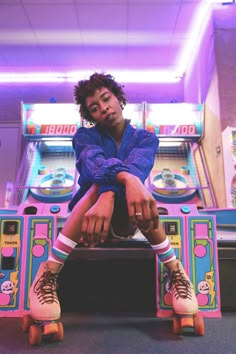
<point x="121" y="227"/>
<point x="136" y="235"/>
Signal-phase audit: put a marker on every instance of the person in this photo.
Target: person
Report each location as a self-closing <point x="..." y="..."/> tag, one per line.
<point x="113" y="160"/>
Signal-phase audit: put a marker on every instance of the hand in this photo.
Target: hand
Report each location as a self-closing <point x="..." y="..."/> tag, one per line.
<point x="141" y="205"/>
<point x="96" y="221"/>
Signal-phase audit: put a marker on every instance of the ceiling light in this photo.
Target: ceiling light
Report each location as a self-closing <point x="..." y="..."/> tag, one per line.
<point x="128" y="76"/>
<point x="172" y="75"/>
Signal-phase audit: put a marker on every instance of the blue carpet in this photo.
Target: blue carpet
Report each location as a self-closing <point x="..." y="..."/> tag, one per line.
<point x="123" y="334"/>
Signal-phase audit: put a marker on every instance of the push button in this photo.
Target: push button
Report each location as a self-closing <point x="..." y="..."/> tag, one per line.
<point x="185" y="209"/>
<point x="55" y="209"/>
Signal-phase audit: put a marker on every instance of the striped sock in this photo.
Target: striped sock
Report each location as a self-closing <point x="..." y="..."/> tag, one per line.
<point x="61" y="249"/>
<point x="165" y="251"/>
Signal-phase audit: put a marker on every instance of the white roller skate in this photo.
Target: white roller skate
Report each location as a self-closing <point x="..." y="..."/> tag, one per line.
<point x="45" y="310"/>
<point x="185" y="303"/>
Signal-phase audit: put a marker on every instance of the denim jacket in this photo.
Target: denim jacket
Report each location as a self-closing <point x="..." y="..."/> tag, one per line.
<point x="98" y="160"/>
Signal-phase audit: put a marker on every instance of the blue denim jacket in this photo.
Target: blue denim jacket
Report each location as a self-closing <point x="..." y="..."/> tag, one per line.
<point x="98" y="160"/>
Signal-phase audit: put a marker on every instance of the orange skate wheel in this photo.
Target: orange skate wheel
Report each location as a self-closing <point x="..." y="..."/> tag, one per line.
<point x="50" y="328"/>
<point x="35" y="335"/>
<point x="26" y="323"/>
<point x="198" y="325"/>
<point x="58" y="337"/>
<point x="177" y="329"/>
<point x="186" y="322"/>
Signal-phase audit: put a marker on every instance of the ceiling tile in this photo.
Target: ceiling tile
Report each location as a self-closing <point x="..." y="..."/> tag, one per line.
<point x="158" y="17"/>
<point x="49" y="17"/>
<point x="102" y="17"/>
<point x="12" y="17"/>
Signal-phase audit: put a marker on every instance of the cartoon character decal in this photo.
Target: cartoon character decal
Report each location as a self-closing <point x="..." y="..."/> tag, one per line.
<point x="8" y="289"/>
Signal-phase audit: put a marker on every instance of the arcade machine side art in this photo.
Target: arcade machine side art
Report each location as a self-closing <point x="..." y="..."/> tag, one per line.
<point x="180" y="183"/>
<point x="12" y="244"/>
<point x="25" y="242"/>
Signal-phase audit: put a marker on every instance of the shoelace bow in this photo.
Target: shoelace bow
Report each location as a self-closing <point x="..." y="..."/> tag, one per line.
<point x="45" y="288"/>
<point x="182" y="287"/>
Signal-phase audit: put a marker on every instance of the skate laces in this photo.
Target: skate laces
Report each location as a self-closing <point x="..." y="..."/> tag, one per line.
<point x="180" y="286"/>
<point x="46" y="287"/>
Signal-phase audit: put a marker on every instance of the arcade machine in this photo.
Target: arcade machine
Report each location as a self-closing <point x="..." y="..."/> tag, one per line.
<point x="180" y="183"/>
<point x="45" y="182"/>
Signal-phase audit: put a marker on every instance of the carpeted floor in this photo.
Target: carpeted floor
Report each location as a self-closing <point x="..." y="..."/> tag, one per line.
<point x="123" y="334"/>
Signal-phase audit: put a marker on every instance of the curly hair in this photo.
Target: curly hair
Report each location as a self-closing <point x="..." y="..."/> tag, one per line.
<point x="88" y="87"/>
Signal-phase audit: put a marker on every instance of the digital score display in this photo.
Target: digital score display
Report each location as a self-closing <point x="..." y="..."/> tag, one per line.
<point x="175" y="120"/>
<point x="40" y="120"/>
<point x="178" y="129"/>
<point x="58" y="129"/>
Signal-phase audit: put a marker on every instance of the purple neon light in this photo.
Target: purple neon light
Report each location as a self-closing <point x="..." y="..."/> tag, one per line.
<point x="155" y="76"/>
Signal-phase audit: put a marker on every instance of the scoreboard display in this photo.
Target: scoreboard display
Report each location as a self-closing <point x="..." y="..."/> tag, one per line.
<point x="178" y="129"/>
<point x="50" y="120"/>
<point x="179" y="120"/>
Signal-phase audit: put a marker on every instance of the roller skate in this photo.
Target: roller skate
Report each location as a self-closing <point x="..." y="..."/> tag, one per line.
<point x="185" y="306"/>
<point x="45" y="311"/>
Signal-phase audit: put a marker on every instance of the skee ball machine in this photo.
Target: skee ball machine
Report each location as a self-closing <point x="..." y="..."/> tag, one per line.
<point x="45" y="182"/>
<point x="180" y="183"/>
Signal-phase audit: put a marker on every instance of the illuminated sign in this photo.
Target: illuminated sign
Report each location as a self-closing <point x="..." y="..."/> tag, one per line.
<point x="58" y="129"/>
<point x="178" y="129"/>
<point x="175" y="119"/>
<point x="50" y="119"/>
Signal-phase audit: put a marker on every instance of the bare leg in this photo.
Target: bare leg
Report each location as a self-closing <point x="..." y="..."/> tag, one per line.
<point x="44" y="303"/>
<point x="72" y="226"/>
